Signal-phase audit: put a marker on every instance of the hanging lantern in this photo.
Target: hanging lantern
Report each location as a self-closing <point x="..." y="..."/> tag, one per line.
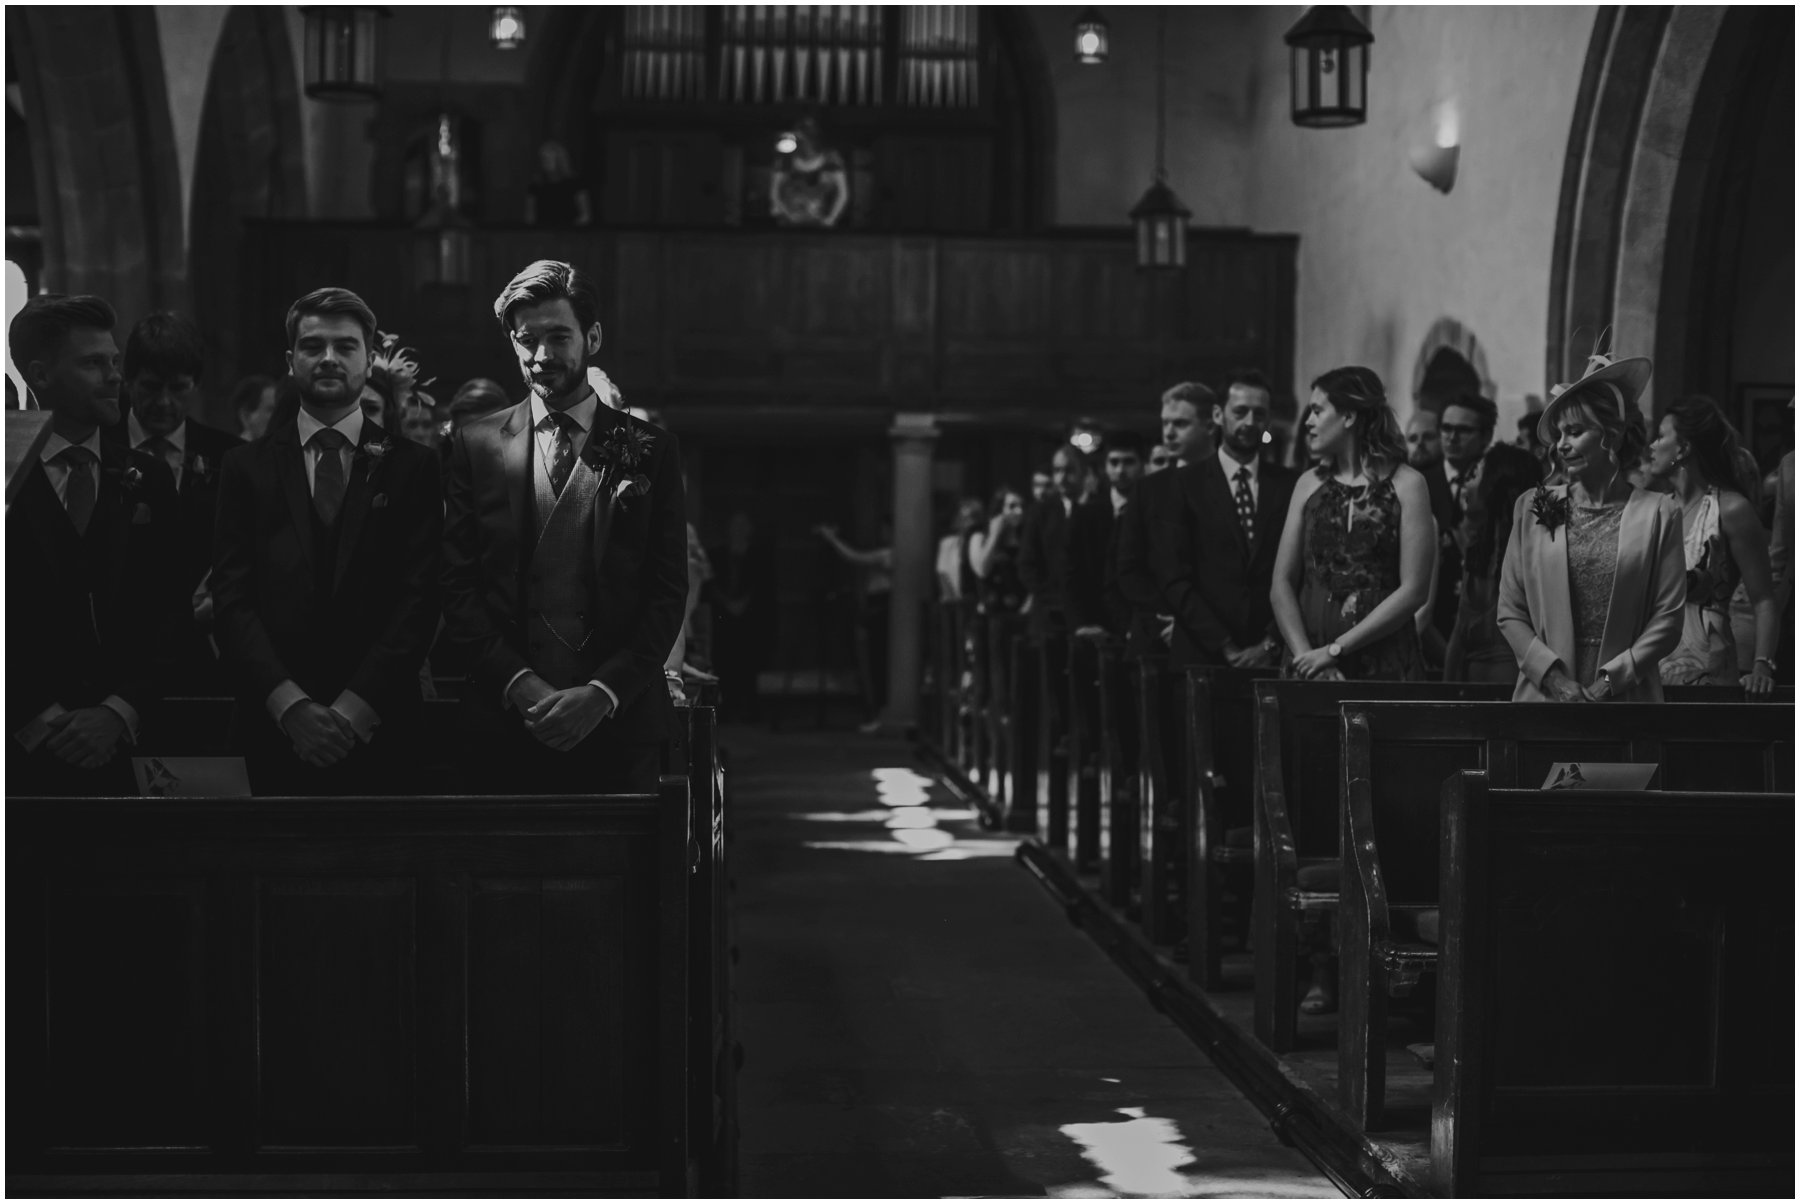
<point x="1090" y="37"/>
<point x="1160" y="222"/>
<point x="507" y="30"/>
<point x="1330" y="67"/>
<point x="343" y="51"/>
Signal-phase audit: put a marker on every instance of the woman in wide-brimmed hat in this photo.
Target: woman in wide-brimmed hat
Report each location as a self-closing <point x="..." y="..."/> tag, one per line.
<point x="1595" y="577"/>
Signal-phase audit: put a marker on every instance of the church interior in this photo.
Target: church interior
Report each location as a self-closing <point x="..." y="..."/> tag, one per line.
<point x="997" y="837"/>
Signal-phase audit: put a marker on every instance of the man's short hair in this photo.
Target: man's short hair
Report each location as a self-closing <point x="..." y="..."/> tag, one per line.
<point x="40" y="330"/>
<point x="166" y="344"/>
<point x="248" y="393"/>
<point x="1487" y="413"/>
<point x="1195" y="394"/>
<point x="332" y="302"/>
<point x="1249" y="378"/>
<point x="551" y="280"/>
<point x="1125" y="441"/>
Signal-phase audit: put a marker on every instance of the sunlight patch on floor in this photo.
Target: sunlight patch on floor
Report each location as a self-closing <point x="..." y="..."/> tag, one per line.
<point x="911" y="821"/>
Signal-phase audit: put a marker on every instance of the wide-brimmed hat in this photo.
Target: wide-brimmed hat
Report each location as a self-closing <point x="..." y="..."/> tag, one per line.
<point x="1627" y="378"/>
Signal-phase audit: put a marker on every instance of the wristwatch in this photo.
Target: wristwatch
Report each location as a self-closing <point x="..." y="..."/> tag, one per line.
<point x="1336" y="650"/>
<point x="1763" y="660"/>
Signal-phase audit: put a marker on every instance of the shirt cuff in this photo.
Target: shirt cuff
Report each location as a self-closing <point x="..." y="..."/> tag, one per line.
<point x="606" y="690"/>
<point x="506" y="694"/>
<point x="360" y="715"/>
<point x="124" y="710"/>
<point x="283" y="697"/>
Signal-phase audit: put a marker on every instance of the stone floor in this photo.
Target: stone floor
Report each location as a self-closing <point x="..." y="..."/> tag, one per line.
<point x="919" y="1020"/>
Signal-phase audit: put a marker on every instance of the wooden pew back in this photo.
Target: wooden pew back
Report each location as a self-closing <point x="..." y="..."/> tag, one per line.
<point x="1616" y="993"/>
<point x="1162" y="816"/>
<point x="1086" y="736"/>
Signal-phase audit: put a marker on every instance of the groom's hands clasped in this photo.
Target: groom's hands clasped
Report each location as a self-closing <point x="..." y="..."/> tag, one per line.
<point x="564" y="718"/>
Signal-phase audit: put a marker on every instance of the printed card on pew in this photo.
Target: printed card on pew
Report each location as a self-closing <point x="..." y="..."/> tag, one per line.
<point x="191" y="777"/>
<point x="1599" y="775"/>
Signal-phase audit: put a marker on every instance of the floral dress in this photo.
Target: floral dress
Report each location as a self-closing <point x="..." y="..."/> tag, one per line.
<point x="1350" y="547"/>
<point x="1593" y="563"/>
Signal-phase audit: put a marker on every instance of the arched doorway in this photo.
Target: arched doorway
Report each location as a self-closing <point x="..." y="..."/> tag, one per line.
<point x="249" y="164"/>
<point x="1451" y="364"/>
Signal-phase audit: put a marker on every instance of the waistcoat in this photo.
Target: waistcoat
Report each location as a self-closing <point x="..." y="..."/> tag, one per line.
<point x="560" y="576"/>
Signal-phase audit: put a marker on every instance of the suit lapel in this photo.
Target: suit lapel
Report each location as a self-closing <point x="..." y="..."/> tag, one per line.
<point x="605" y="419"/>
<point x="1632" y="569"/>
<point x="1218" y="499"/>
<point x="45" y="517"/>
<point x="1554" y="601"/>
<point x="515" y="468"/>
<point x="113" y="510"/>
<point x="1271" y="507"/>
<point x="284" y="444"/>
<point x="357" y="492"/>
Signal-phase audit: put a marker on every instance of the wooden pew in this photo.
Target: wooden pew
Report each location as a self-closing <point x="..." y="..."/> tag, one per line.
<point x="1219" y="798"/>
<point x="1051" y="793"/>
<point x="1297" y="749"/>
<point x="1397" y="755"/>
<point x="999" y="633"/>
<point x="1086" y="738"/>
<point x="1161" y="795"/>
<point x="1118" y="778"/>
<point x="365" y="996"/>
<point x="1020" y="718"/>
<point x="1616" y="994"/>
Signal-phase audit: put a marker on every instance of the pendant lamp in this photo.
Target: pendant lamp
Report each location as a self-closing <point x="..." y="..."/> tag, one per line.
<point x="1159" y="219"/>
<point x="1330" y="50"/>
<point x="343" y="51"/>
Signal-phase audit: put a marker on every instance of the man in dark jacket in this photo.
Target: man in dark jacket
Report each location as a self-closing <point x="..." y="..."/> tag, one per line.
<point x="1095" y="603"/>
<point x="1044" y="547"/>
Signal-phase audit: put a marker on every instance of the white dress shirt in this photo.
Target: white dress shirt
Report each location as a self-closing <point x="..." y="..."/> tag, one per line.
<point x="1229" y="465"/>
<point x="175" y="457"/>
<point x="349" y="426"/>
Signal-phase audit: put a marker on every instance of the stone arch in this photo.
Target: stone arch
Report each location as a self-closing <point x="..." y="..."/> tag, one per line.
<point x="1650" y="148"/>
<point x="1448" y="337"/>
<point x="249" y="164"/>
<point x="103" y="151"/>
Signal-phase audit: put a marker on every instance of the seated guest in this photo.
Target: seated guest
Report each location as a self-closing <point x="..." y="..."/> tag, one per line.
<point x="253" y="401"/>
<point x="994" y="556"/>
<point x="1477" y="651"/>
<point x="1693" y="455"/>
<point x="1355" y="560"/>
<point x="1228" y="517"/>
<point x="326" y="573"/>
<point x="1594" y="581"/>
<point x="1095" y="605"/>
<point x="91" y="557"/>
<point x="954" y="575"/>
<point x="1044" y="546"/>
<point x="164" y="362"/>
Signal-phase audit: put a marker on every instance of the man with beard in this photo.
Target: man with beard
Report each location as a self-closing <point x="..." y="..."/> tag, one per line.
<point x="164" y="358"/>
<point x="89" y="551"/>
<point x="325" y="573"/>
<point x="1467" y="426"/>
<point x="565" y="562"/>
<point x="1093" y="606"/>
<point x="1142" y="551"/>
<point x="1044" y="546"/>
<point x="1228" y="516"/>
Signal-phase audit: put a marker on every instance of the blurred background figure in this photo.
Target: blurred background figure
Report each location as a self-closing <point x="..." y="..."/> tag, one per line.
<point x="1040" y="485"/>
<point x="956" y="577"/>
<point x="743" y="601"/>
<point x="1476" y="649"/>
<point x="875" y="595"/>
<point x="1161" y="457"/>
<point x="994" y="555"/>
<point x="558" y="197"/>
<point x="253" y="401"/>
<point x="476" y="398"/>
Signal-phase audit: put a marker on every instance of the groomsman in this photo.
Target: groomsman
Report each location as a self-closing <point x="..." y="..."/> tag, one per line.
<point x="93" y="606"/>
<point x="1142" y="554"/>
<point x="1044" y="547"/>
<point x="164" y="358"/>
<point x="1095" y="603"/>
<point x="325" y="576"/>
<point x="1467" y="428"/>
<point x="1227" y="523"/>
<point x="565" y="562"/>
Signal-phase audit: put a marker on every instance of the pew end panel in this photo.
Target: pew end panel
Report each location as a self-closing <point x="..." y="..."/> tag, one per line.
<point x="1219" y="799"/>
<point x="1119" y="867"/>
<point x="1052" y="743"/>
<point x="1662" y="1061"/>
<point x="1086" y="736"/>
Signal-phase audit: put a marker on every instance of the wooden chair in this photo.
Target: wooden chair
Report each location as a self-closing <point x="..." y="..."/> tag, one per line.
<point x="1086" y="739"/>
<point x="1615" y="1011"/>
<point x="1118" y="779"/>
<point x="1297" y="745"/>
<point x="1397" y="755"/>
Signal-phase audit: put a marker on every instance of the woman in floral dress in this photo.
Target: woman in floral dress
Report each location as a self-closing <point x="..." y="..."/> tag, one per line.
<point x="1356" y="555"/>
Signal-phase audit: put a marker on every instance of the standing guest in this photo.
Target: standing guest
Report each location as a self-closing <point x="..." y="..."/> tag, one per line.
<point x="557" y="196"/>
<point x="420" y="424"/>
<point x="1143" y="553"/>
<point x="476" y="399"/>
<point x="1424" y="443"/>
<point x="1354" y="564"/>
<point x="253" y="401"/>
<point x="164" y="364"/>
<point x="565" y="562"/>
<point x="1040" y="485"/>
<point x="745" y="603"/>
<point x="1095" y="605"/>
<point x="1594" y="581"/>
<point x="1468" y="431"/>
<point x="1160" y="458"/>
<point x="954" y="576"/>
<point x="325" y="573"/>
<point x="875" y="594"/>
<point x="1781" y="563"/>
<point x="1477" y="651"/>
<point x="90" y="549"/>
<point x="994" y="555"/>
<point x="1228" y="516"/>
<point x="1759" y="491"/>
<point x="1694" y="457"/>
<point x="1044" y="547"/>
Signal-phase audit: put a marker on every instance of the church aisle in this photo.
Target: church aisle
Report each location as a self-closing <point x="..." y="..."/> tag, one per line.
<point x="918" y="1019"/>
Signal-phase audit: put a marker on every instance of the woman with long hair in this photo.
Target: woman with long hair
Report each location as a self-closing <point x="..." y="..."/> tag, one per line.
<point x="1594" y="581"/>
<point x="1694" y="455"/>
<point x="994" y="555"/>
<point x="1357" y="551"/>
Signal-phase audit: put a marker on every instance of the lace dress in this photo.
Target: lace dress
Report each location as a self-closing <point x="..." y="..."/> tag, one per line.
<point x="1593" y="561"/>
<point x="1350" y="547"/>
<point x="1707" y="654"/>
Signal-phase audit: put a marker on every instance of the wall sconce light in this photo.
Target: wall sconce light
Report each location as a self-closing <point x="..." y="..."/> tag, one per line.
<point x="1330" y="69"/>
<point x="507" y="29"/>
<point x="343" y="51"/>
<point x="1090" y="37"/>
<point x="1436" y="164"/>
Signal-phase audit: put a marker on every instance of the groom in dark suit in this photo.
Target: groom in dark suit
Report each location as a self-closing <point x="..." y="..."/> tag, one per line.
<point x="565" y="563"/>
<point x="325" y="573"/>
<point x="93" y="602"/>
<point x="1226" y="526"/>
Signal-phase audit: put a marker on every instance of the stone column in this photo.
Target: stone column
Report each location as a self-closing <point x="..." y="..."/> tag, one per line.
<point x="914" y="553"/>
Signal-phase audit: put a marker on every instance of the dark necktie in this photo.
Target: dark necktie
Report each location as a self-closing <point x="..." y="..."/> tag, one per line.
<point x="78" y="491"/>
<point x="562" y="457"/>
<point x="160" y="447"/>
<point x="328" y="474"/>
<point x="1246" y="504"/>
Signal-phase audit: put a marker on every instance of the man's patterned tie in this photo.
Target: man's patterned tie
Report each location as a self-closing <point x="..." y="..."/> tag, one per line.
<point x="1246" y="504"/>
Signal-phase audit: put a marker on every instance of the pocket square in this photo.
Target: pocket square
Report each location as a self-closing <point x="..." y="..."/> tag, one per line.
<point x="141" y="515"/>
<point x="378" y="502"/>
